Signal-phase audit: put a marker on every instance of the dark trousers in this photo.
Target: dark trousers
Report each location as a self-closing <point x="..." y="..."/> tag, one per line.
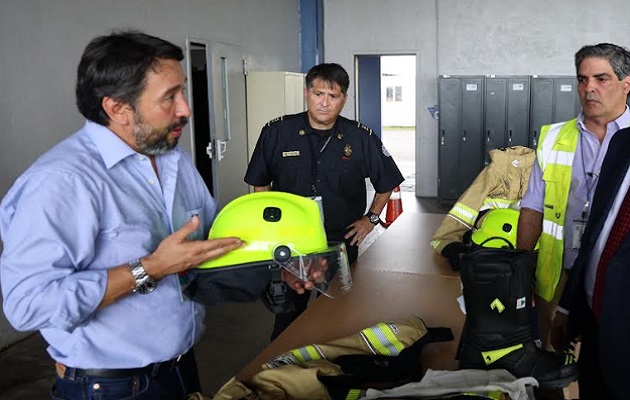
<point x="591" y="380"/>
<point x="166" y="383"/>
<point x="300" y="301"/>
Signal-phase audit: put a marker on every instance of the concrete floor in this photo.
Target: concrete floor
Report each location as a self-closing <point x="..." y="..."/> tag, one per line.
<point x="235" y="334"/>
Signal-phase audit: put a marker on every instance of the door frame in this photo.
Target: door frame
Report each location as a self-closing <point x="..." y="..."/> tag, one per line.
<point x="190" y="41"/>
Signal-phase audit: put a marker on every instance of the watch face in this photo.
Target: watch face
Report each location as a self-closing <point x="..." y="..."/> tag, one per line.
<point x="374" y="218"/>
<point x="146" y="286"/>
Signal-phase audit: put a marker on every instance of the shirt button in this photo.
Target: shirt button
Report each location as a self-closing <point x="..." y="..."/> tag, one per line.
<point x="319" y="162"/>
<point x="141" y="158"/>
<point x="96" y="386"/>
<point x="151" y="181"/>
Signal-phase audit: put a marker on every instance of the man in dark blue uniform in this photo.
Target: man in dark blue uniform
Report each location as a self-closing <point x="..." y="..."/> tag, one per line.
<point x="319" y="153"/>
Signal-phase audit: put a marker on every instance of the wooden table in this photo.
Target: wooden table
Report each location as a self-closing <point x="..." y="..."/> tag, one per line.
<point x="404" y="247"/>
<point x="397" y="277"/>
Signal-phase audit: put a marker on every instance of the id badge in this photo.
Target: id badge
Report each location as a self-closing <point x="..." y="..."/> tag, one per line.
<point x="578" y="230"/>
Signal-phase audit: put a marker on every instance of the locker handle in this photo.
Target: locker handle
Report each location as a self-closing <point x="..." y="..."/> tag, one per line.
<point x="464" y="136"/>
<point x="442" y="138"/>
<point x="488" y="136"/>
<point x="510" y="136"/>
<point x="535" y="139"/>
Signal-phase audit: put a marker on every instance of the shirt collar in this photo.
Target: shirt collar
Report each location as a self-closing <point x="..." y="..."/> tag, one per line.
<point x="310" y="130"/>
<point x="620" y="123"/>
<point x="111" y="147"/>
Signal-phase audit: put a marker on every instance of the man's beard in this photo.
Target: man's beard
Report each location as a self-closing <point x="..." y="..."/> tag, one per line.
<point x="155" y="141"/>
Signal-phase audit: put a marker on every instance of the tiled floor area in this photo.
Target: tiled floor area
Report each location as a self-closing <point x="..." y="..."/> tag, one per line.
<point x="235" y="334"/>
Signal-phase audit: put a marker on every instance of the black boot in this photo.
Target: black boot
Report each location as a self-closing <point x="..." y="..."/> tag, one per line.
<point x="498" y="286"/>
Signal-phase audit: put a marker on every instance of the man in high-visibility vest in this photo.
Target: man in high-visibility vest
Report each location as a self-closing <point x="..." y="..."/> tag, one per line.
<point x="557" y="203"/>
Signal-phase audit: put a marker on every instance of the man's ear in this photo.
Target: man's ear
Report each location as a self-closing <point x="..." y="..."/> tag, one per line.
<point x="117" y="111"/>
<point x="626" y="85"/>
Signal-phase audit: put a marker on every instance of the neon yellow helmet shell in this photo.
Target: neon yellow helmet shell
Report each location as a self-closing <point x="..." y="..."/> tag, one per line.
<point x="498" y="228"/>
<point x="265" y="221"/>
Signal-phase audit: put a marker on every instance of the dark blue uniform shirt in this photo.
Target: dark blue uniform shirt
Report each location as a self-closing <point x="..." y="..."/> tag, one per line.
<point x="293" y="157"/>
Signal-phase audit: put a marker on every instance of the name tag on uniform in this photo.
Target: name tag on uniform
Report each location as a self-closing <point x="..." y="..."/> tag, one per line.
<point x="294" y="153"/>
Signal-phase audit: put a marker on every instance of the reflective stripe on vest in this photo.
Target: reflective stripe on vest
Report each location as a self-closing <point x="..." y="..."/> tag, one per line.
<point x="381" y="339"/>
<point x="555" y="153"/>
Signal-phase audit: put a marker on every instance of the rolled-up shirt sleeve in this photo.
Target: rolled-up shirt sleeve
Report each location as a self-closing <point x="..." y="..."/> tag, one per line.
<point x="534" y="196"/>
<point x="49" y="227"/>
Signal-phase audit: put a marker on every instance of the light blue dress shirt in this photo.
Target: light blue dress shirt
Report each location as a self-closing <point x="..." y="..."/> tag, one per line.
<point x="587" y="163"/>
<point x="89" y="204"/>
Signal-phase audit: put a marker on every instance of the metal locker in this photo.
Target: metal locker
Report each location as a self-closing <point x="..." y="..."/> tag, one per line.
<point x="460" y="101"/>
<point x="506" y="112"/>
<point x="449" y="99"/>
<point x="518" y="111"/>
<point x="566" y="99"/>
<point x="471" y="149"/>
<point x="553" y="99"/>
<point x="495" y="114"/>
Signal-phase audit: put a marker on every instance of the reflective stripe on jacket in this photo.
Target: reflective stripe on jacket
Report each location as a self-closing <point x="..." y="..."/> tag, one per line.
<point x="555" y="153"/>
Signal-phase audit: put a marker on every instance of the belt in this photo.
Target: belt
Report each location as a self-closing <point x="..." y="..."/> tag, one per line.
<point x="151" y="369"/>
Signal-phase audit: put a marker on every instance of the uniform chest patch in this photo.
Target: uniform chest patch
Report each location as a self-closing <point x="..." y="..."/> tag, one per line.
<point x="294" y="153"/>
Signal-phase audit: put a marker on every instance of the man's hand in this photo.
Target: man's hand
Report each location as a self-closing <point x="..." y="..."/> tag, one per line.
<point x="316" y="274"/>
<point x="176" y="253"/>
<point x="358" y="230"/>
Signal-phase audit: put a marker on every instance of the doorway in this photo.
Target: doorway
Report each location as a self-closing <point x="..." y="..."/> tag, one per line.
<point x="200" y="120"/>
<point x="386" y="101"/>
<point x="218" y="125"/>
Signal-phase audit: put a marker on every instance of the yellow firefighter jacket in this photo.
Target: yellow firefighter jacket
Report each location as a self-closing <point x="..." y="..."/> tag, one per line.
<point x="295" y="374"/>
<point x="501" y="184"/>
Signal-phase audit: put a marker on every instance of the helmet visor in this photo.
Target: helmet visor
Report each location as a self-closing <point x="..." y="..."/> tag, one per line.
<point x="328" y="270"/>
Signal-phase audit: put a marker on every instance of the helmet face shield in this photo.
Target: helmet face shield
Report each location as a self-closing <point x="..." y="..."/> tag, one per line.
<point x="327" y="270"/>
<point x="280" y="230"/>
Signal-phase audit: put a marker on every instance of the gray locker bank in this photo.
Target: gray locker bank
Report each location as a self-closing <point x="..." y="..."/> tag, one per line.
<point x="480" y="113"/>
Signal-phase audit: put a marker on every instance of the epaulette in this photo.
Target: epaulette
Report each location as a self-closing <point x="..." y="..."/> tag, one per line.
<point x="286" y="117"/>
<point x="360" y="125"/>
<point x="274" y="120"/>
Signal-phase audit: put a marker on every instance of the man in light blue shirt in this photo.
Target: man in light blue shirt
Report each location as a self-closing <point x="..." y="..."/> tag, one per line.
<point x="98" y="232"/>
<point x="603" y="74"/>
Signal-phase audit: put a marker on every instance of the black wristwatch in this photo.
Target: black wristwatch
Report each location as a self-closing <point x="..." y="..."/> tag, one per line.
<point x="373" y="217"/>
<point x="144" y="283"/>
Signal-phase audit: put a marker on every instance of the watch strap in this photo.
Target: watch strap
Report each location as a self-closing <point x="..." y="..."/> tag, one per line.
<point x="144" y="282"/>
<point x="373" y="218"/>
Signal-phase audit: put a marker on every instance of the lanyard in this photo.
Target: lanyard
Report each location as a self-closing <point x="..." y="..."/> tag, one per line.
<point x="316" y="157"/>
<point x="594" y="177"/>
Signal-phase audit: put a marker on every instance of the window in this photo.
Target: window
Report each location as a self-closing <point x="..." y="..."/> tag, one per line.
<point x="393" y="94"/>
<point x="398" y="93"/>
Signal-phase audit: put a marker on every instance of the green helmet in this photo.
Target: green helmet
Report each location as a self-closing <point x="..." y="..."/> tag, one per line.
<point x="267" y="221"/>
<point x="498" y="229"/>
<point x="281" y="230"/>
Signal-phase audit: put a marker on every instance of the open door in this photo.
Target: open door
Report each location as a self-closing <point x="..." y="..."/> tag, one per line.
<point x="217" y="86"/>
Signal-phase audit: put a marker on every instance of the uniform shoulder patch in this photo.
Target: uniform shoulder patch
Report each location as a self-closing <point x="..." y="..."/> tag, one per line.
<point x="364" y="127"/>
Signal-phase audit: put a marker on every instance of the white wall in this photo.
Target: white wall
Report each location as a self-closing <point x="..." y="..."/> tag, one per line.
<point x="463" y="37"/>
<point x="41" y="42"/>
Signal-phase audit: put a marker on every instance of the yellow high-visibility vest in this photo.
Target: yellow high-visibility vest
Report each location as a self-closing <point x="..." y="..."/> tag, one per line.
<point x="555" y="153"/>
